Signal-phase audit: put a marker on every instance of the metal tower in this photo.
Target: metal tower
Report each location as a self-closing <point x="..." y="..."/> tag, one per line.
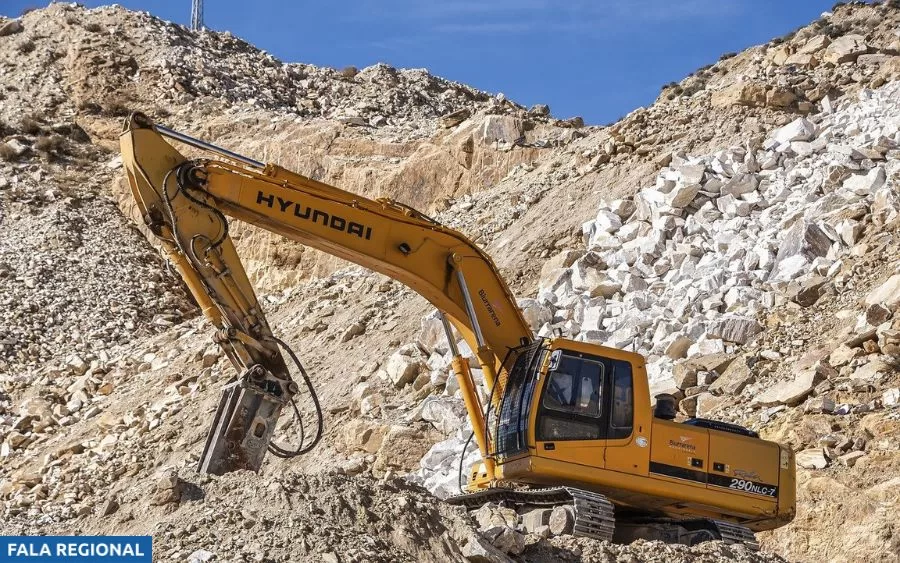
<point x="197" y="15"/>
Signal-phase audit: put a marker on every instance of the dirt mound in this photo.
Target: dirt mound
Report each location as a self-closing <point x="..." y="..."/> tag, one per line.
<point x="285" y="517"/>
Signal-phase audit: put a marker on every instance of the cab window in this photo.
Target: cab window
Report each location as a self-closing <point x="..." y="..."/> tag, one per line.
<point x="575" y="387"/>
<point x="586" y="397"/>
<point x="571" y="408"/>
<point x="622" y="412"/>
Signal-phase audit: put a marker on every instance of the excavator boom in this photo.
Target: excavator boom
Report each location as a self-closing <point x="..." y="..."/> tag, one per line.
<point x="184" y="203"/>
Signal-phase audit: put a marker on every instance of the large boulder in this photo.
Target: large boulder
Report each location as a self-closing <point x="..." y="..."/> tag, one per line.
<point x="506" y="540"/>
<point x="873" y="371"/>
<point x="362" y="435"/>
<point x="692" y="173"/>
<point x="432" y="337"/>
<point x="708" y="404"/>
<point x="741" y="94"/>
<point x="886" y="206"/>
<point x="845" y="49"/>
<point x="815" y="45"/>
<point x="683" y="194"/>
<point x="800" y="129"/>
<point x="479" y="550"/>
<point x="868" y="183"/>
<point x="607" y="222"/>
<point x="446" y="414"/>
<point x="812" y="459"/>
<point x="492" y="516"/>
<point x="560" y="261"/>
<point x="887" y="294"/>
<point x="843" y="355"/>
<point x="740" y="184"/>
<point x="536" y="314"/>
<point x="778" y="97"/>
<point x="791" y="392"/>
<point x="734" y="328"/>
<point x="733" y="380"/>
<point x="502" y="128"/>
<point x="401" y="450"/>
<point x="802" y="243"/>
<point x="404" y="365"/>
<point x="685" y="372"/>
<point x="802" y="59"/>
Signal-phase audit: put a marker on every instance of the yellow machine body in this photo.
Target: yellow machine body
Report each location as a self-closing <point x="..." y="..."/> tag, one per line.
<point x="651" y="464"/>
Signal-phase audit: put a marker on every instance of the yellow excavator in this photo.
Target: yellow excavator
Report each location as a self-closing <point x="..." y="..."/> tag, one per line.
<point x="565" y="422"/>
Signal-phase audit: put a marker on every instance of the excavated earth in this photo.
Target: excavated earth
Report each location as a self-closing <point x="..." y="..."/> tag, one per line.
<point x="741" y="232"/>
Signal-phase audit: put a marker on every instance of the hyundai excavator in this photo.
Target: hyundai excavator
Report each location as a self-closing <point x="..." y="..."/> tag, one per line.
<point x="563" y="422"/>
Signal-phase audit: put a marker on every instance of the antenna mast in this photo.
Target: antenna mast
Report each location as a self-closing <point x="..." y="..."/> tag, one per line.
<point x="197" y="15"/>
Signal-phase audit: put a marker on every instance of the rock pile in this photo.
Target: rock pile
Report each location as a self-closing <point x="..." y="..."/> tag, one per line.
<point x="685" y="267"/>
<point x="75" y="278"/>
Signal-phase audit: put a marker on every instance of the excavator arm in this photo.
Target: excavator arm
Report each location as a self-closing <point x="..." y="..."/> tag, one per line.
<point x="184" y="202"/>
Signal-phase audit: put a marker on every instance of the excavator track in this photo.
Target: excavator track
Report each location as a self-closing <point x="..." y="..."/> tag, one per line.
<point x="687" y="532"/>
<point x="594" y="514"/>
<point x="735" y="533"/>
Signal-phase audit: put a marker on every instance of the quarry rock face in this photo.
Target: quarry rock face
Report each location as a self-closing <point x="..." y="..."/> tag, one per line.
<point x="744" y="241"/>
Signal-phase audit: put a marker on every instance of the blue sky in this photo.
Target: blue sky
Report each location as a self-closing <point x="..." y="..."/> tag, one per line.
<point x="595" y="58"/>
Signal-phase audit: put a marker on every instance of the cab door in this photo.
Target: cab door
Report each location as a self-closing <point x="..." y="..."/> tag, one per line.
<point x="626" y="444"/>
<point x="572" y="420"/>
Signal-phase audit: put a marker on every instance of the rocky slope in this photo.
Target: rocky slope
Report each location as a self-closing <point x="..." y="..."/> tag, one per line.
<point x="741" y="232"/>
<point x="762" y="286"/>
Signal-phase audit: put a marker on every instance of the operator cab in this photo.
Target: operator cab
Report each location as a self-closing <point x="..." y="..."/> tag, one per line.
<point x="578" y="397"/>
<point x="585" y="397"/>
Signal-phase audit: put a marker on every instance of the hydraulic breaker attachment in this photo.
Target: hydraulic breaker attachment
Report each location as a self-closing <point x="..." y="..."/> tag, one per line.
<point x="245" y="421"/>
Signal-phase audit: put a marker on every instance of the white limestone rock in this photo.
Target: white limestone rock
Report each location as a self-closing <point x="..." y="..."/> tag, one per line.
<point x="791" y="392"/>
<point x="800" y="129"/>
<point x="683" y="194"/>
<point x="624" y="208"/>
<point x="865" y="184"/>
<point x="431" y="336"/>
<point x="812" y="459"/>
<point x="439" y="467"/>
<point x="691" y="173"/>
<point x="887" y="294"/>
<point x="802" y="243"/>
<point x="535" y="313"/>
<point x="404" y="365"/>
<point x="734" y="328"/>
<point x="446" y="414"/>
<point x="740" y="185"/>
<point x="607" y="222"/>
